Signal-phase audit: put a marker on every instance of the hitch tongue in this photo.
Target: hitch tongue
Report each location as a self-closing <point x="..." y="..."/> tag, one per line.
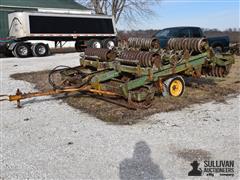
<point x="19" y="95"/>
<point x="4" y="97"/>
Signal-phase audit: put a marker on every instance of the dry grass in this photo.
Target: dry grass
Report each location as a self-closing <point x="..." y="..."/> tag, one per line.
<point x="197" y="91"/>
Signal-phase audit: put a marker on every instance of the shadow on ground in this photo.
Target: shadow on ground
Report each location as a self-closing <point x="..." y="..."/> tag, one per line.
<point x="141" y="165"/>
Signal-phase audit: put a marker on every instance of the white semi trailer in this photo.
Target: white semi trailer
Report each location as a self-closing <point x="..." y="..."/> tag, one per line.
<point x="95" y="31"/>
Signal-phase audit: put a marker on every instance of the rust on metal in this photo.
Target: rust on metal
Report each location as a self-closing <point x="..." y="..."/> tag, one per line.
<point x="145" y="59"/>
<point x="20" y="96"/>
<point x="100" y="54"/>
<point x="143" y="43"/>
<point x="192" y="44"/>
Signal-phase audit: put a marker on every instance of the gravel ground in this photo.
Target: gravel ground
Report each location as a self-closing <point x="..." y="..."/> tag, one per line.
<point x="48" y="139"/>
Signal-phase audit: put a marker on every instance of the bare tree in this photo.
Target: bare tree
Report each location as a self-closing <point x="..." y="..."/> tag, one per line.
<point x="130" y="9"/>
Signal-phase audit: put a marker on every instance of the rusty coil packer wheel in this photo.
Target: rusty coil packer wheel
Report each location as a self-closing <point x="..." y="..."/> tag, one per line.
<point x="217" y="71"/>
<point x="146" y="59"/>
<point x="103" y="54"/>
<point x="143" y="43"/>
<point x="193" y="44"/>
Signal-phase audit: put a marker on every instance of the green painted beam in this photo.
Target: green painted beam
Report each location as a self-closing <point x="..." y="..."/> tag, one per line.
<point x="165" y="71"/>
<point x="101" y="77"/>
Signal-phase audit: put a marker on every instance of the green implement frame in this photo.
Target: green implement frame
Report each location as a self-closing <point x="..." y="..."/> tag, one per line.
<point x="143" y="76"/>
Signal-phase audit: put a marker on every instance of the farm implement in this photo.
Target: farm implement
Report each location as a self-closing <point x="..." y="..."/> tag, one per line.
<point x="136" y="71"/>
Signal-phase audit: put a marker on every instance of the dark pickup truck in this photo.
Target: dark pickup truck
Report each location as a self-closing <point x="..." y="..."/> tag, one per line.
<point x="219" y="44"/>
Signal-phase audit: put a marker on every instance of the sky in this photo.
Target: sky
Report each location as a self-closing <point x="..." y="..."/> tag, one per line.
<point x="220" y="14"/>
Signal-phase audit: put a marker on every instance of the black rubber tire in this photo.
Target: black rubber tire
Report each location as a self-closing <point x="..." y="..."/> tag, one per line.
<point x="40" y="49"/>
<point x="167" y="86"/>
<point x="4" y="52"/>
<point x="91" y="43"/>
<point x="22" y="50"/>
<point x="105" y="43"/>
<point x="78" y="46"/>
<point x="218" y="49"/>
<point x="9" y="54"/>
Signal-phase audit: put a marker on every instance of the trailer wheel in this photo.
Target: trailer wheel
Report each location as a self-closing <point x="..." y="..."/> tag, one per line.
<point x="218" y="49"/>
<point x="94" y="43"/>
<point x="108" y="43"/>
<point x="174" y="86"/>
<point x="78" y="46"/>
<point x="22" y="50"/>
<point x="40" y="49"/>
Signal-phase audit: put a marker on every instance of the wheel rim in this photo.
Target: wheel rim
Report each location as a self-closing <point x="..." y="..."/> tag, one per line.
<point x="218" y="50"/>
<point x="110" y="44"/>
<point x="96" y="45"/>
<point x="23" y="50"/>
<point x="176" y="88"/>
<point x="41" y="50"/>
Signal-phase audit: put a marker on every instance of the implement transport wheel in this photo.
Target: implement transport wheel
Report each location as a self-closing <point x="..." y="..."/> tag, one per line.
<point x="174" y="86"/>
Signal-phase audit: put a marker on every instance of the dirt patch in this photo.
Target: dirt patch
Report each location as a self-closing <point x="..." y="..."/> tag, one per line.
<point x="193" y="154"/>
<point x="197" y="91"/>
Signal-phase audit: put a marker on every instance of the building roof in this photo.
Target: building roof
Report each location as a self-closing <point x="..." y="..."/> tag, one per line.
<point x="55" y="4"/>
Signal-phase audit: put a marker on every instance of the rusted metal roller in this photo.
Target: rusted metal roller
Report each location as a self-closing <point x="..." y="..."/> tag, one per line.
<point x="217" y="71"/>
<point x="209" y="73"/>
<point x="144" y="43"/>
<point x="185" y="43"/>
<point x="128" y="61"/>
<point x="202" y="44"/>
<point x="193" y="44"/>
<point x="140" y="57"/>
<point x="196" y="45"/>
<point x="146" y="59"/>
<point x="179" y="44"/>
<point x="149" y="59"/>
<point x="221" y="72"/>
<point x="214" y="70"/>
<point x="170" y="43"/>
<point x="101" y="54"/>
<point x="128" y="54"/>
<point x="188" y="41"/>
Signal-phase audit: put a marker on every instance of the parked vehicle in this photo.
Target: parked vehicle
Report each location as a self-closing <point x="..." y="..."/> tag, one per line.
<point x="219" y="44"/>
<point x="97" y="31"/>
